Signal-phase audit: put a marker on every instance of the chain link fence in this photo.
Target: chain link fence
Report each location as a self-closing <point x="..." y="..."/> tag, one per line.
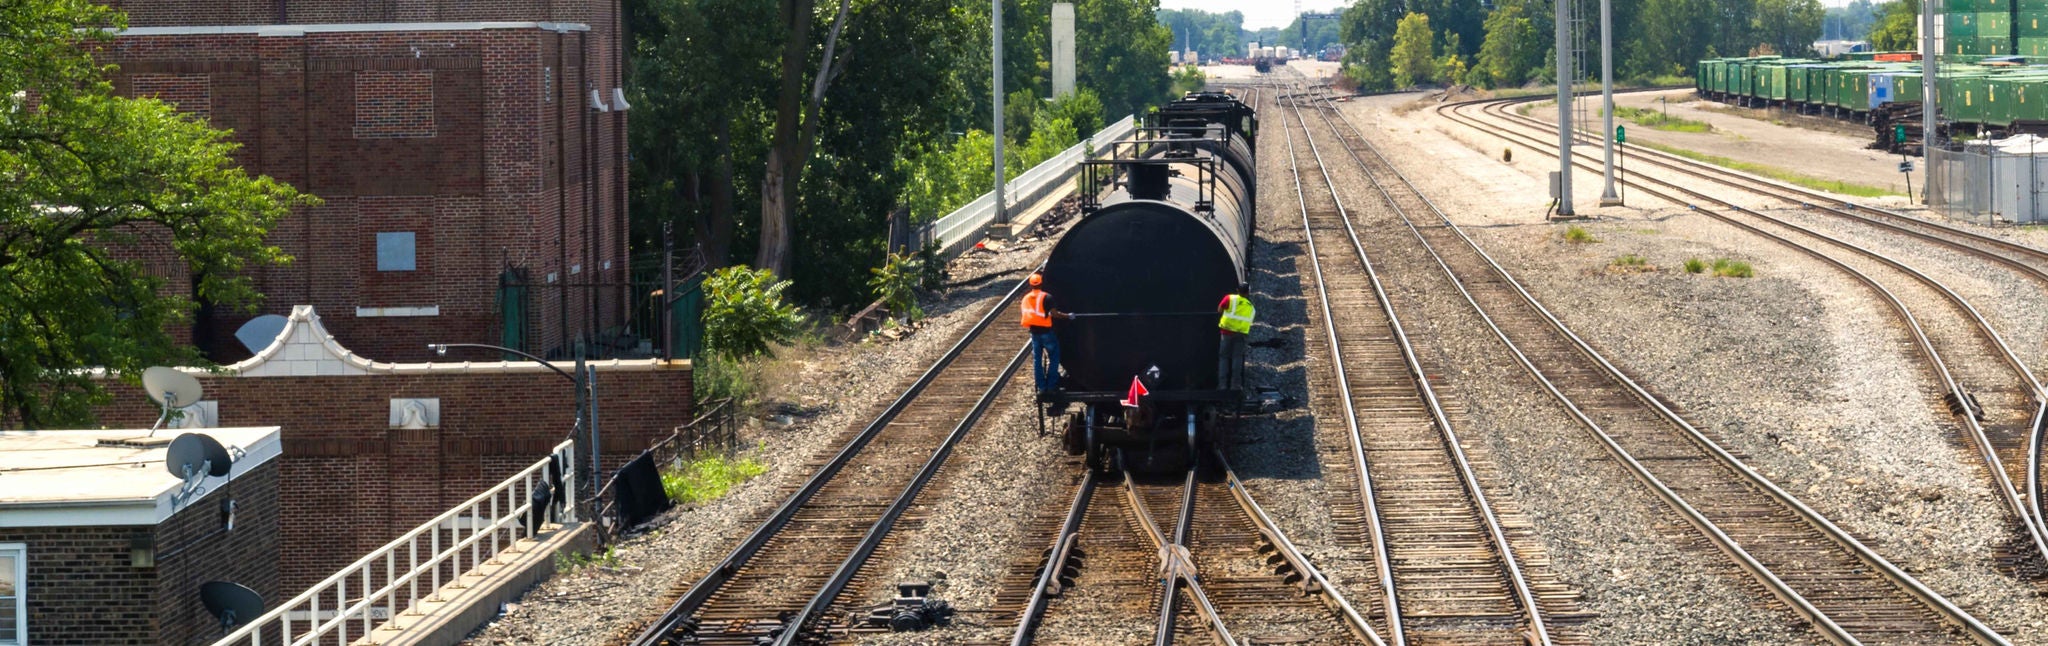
<point x="1991" y="184"/>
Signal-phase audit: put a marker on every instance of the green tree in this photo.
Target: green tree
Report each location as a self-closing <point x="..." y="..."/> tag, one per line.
<point x="1365" y="66"/>
<point x="89" y="174"/>
<point x="1788" y="26"/>
<point x="1120" y="53"/>
<point x="1897" y="27"/>
<point x="1413" y="59"/>
<point x="1512" y="46"/>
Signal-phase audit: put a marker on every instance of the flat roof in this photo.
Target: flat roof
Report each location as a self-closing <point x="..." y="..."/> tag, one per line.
<point x="111" y="476"/>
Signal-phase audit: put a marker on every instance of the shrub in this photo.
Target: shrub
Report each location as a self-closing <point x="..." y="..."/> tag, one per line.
<point x="1726" y="268"/>
<point x="715" y="377"/>
<point x="708" y="478"/>
<point x="896" y="283"/>
<point x="1695" y="265"/>
<point x="1631" y="260"/>
<point x="745" y="314"/>
<point x="1578" y="234"/>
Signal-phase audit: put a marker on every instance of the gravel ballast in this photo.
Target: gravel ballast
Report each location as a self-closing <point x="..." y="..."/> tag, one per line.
<point x="1799" y="370"/>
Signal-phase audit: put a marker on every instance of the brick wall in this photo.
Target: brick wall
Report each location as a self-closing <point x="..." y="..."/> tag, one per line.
<point x="480" y="142"/>
<point x="350" y="482"/>
<point x="82" y="588"/>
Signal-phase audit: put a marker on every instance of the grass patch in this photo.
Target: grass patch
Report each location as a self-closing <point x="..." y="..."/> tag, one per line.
<point x="1578" y="235"/>
<point x="708" y="478"/>
<point x="1656" y="120"/>
<point x="1631" y="260"/>
<point x="1695" y="266"/>
<point x="1726" y="268"/>
<point x="572" y="561"/>
<point x="1780" y="174"/>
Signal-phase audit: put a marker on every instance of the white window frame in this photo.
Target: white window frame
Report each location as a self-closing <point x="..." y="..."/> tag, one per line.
<point x="20" y="553"/>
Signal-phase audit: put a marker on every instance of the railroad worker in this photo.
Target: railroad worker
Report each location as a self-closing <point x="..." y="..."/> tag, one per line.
<point x="1235" y="324"/>
<point x="1045" y="346"/>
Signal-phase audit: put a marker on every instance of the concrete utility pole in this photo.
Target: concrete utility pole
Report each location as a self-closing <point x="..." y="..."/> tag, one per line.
<point x="1607" y="195"/>
<point x="1929" y="75"/>
<point x="1062" y="49"/>
<point x="1562" y="8"/>
<point x="996" y="19"/>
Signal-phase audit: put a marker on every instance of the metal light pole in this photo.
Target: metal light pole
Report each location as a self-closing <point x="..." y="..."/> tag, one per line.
<point x="1562" y="10"/>
<point x="1929" y="74"/>
<point x="1607" y="195"/>
<point x="996" y="31"/>
<point x="585" y="381"/>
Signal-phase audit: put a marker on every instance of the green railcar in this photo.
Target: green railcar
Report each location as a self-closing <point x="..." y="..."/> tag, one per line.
<point x="1963" y="98"/>
<point x="1798" y="83"/>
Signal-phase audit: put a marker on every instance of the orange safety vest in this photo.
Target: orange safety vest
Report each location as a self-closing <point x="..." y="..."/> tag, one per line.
<point x="1034" y="310"/>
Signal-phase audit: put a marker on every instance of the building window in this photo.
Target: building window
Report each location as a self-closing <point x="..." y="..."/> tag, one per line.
<point x="13" y="596"/>
<point x="395" y="251"/>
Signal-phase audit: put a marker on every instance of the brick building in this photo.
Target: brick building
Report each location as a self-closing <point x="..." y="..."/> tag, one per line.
<point x="373" y="449"/>
<point x="469" y="154"/>
<point x="99" y="545"/>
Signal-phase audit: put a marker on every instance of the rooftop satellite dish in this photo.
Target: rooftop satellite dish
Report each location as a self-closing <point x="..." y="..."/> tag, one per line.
<point x="261" y="331"/>
<point x="233" y="603"/>
<point x="194" y="454"/>
<point x="170" y="388"/>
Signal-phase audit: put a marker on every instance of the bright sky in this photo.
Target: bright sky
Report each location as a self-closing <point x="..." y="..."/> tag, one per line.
<point x="1258" y="14"/>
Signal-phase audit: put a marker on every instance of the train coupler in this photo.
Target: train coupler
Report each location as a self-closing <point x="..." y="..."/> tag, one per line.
<point x="913" y="609"/>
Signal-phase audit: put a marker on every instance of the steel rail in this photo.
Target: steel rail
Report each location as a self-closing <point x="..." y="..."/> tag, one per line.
<point x="1048" y="583"/>
<point x="1171" y="554"/>
<point x="1389" y="596"/>
<point x="1312" y="579"/>
<point x="1831" y="630"/>
<point x="702" y="590"/>
<point x="880" y="530"/>
<point x="1517" y="580"/>
<point x="1987" y="452"/>
<point x="1890" y="220"/>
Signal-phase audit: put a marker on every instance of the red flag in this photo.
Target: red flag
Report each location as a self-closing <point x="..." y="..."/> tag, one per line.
<point x="1137" y="390"/>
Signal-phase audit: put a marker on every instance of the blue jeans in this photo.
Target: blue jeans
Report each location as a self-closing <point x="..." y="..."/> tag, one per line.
<point x="1045" y="359"/>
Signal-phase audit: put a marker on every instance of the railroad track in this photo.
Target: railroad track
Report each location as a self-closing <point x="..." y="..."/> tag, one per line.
<point x="1842" y="590"/>
<point x="1446" y="570"/>
<point x="1990" y="390"/>
<point x="2017" y="439"/>
<point x="1234" y="575"/>
<point x="776" y="587"/>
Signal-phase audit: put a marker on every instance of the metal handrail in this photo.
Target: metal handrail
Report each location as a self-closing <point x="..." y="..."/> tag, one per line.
<point x="1028" y="186"/>
<point x="510" y="516"/>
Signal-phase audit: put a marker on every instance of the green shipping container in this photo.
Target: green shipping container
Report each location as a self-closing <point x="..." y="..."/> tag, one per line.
<point x="2031" y="5"/>
<point x="2030" y="100"/>
<point x="1962" y="6"/>
<point x="1963" y="98"/>
<point x="1959" y="26"/>
<point x="1986" y="6"/>
<point x="1994" y="25"/>
<point x="2032" y="47"/>
<point x="1999" y="96"/>
<point x="1994" y="46"/>
<point x="2030" y="24"/>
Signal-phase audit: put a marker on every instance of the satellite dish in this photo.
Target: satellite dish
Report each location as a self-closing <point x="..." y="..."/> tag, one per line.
<point x="261" y="331"/>
<point x="233" y="603"/>
<point x="170" y="388"/>
<point x="193" y="453"/>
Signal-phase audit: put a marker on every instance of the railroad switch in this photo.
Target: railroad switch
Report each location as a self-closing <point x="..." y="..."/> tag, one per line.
<point x="913" y="609"/>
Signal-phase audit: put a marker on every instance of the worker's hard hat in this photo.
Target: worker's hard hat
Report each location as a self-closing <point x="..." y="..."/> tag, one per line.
<point x="1036" y="279"/>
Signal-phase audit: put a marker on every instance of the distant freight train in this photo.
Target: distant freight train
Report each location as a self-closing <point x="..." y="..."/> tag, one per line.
<point x="1987" y="96"/>
<point x="1145" y="268"/>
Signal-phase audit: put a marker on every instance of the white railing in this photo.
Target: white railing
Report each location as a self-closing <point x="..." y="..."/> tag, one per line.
<point x="457" y="541"/>
<point x="963" y="226"/>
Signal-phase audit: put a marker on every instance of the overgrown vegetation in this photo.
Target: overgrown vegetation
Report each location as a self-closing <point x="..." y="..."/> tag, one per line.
<point x="714" y="377"/>
<point x="1578" y="235"/>
<point x="708" y="478"/>
<point x="896" y="284"/>
<point x="1727" y="268"/>
<point x="572" y="561"/>
<point x="1658" y="120"/>
<point x="745" y="314"/>
<point x="1189" y="79"/>
<point x="1780" y="174"/>
<point x="1695" y="265"/>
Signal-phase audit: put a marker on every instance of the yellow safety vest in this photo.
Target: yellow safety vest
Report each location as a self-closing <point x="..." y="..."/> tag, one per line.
<point x="1238" y="316"/>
